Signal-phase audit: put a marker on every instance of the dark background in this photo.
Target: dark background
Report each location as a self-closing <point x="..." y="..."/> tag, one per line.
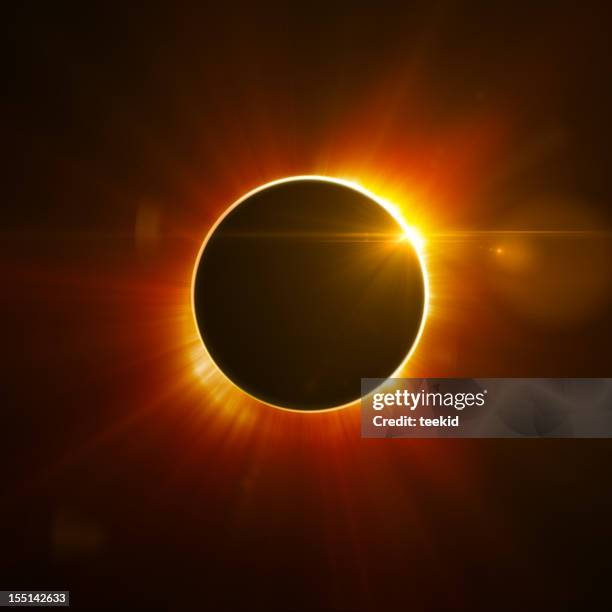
<point x="110" y="487"/>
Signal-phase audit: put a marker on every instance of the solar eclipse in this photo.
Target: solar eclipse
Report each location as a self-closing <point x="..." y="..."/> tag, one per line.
<point x="303" y="287"/>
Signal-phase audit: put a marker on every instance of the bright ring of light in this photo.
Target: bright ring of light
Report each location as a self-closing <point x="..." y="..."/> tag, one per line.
<point x="409" y="233"/>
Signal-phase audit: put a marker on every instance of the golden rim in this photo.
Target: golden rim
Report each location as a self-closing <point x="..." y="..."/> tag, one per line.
<point x="409" y="232"/>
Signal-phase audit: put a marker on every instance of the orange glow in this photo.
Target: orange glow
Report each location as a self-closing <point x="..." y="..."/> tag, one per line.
<point x="432" y="170"/>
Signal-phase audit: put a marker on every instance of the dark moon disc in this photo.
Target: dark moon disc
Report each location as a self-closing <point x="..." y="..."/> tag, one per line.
<point x="304" y="287"/>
